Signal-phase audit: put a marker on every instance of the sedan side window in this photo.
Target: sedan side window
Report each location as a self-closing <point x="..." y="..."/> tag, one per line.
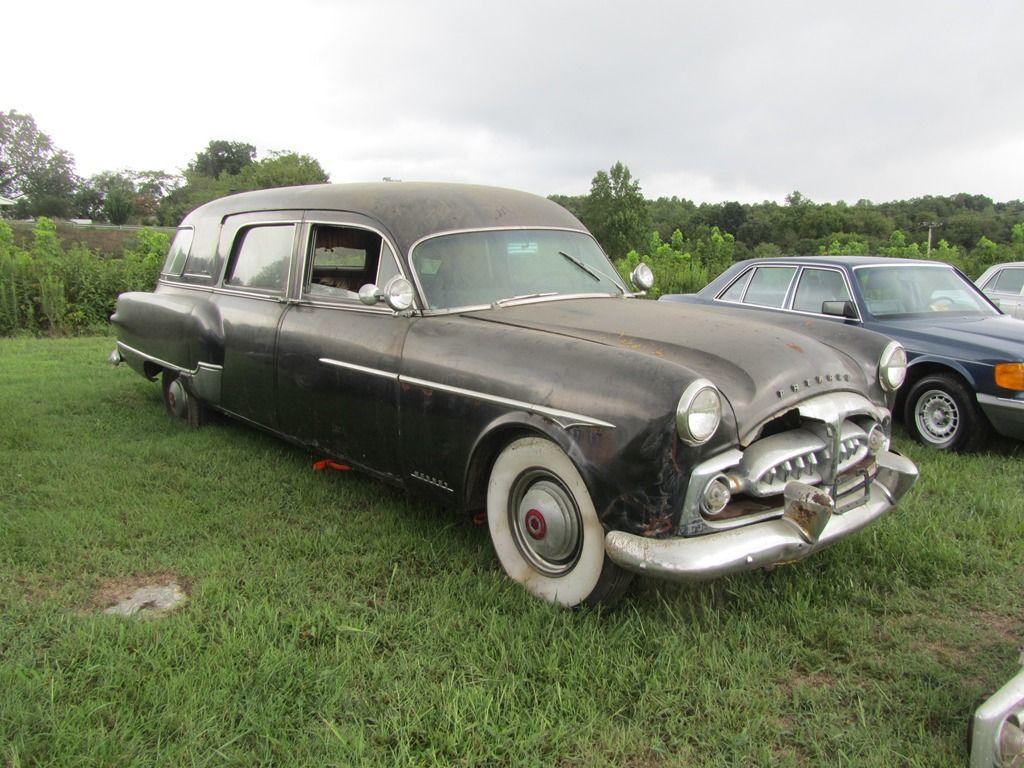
<point x="1009" y="281"/>
<point x="769" y="286"/>
<point x="260" y="258"/>
<point x="344" y="259"/>
<point x="817" y="286"/>
<point x="735" y="291"/>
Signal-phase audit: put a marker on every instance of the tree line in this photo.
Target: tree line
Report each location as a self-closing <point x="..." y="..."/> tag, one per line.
<point x="688" y="243"/>
<point x="42" y="181"/>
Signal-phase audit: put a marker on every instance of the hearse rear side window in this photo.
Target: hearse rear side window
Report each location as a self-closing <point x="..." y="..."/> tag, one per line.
<point x="260" y="258"/>
<point x="178" y="252"/>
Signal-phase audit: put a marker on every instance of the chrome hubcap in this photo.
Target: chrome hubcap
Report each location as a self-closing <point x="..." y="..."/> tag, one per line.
<point x="177" y="399"/>
<point x="545" y="522"/>
<point x="937" y="416"/>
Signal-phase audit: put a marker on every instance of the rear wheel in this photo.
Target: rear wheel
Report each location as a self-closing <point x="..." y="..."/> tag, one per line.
<point x="179" y="403"/>
<point x="545" y="529"/>
<point x="940" y="411"/>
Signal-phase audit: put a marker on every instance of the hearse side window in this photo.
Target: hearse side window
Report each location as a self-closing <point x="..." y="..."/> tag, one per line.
<point x="178" y="252"/>
<point x="769" y="285"/>
<point x="817" y="286"/>
<point x="259" y="260"/>
<point x="1010" y="281"/>
<point x="735" y="291"/>
<point x="344" y="259"/>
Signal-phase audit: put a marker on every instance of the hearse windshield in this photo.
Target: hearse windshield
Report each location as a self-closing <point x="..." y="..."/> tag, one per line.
<point x="898" y="290"/>
<point x="475" y="268"/>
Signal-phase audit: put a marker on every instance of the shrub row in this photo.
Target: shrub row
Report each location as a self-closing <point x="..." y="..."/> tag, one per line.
<point x="47" y="289"/>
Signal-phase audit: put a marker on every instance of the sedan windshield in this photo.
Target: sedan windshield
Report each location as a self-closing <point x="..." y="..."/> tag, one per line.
<point x="474" y="268"/>
<point x="896" y="290"/>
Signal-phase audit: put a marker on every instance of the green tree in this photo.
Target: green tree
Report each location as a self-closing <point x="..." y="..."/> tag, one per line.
<point x="616" y="211"/>
<point x="221" y="156"/>
<point x="118" y="205"/>
<point x="32" y="168"/>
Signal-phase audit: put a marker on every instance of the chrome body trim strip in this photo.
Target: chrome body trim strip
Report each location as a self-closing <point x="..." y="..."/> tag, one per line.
<point x="360" y="368"/>
<point x="1007" y="402"/>
<point x="164" y="364"/>
<point x="565" y="418"/>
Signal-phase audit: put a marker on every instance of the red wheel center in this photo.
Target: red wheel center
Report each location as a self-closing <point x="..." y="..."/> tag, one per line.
<point x="536" y="525"/>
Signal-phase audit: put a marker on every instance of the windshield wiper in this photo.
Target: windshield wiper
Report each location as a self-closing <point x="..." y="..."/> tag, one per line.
<point x="594" y="273"/>
<point x="508" y="299"/>
<point x="579" y="263"/>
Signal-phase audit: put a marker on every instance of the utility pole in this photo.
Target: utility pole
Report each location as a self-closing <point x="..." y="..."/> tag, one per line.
<point x="932" y="225"/>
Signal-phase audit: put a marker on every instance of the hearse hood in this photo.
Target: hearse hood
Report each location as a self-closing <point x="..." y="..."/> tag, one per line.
<point x="762" y="367"/>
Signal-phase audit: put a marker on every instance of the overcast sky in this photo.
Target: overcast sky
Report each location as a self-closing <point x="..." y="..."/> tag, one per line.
<point x="710" y="101"/>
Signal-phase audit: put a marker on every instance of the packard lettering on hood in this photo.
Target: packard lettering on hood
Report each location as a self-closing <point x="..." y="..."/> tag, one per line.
<point x="476" y="345"/>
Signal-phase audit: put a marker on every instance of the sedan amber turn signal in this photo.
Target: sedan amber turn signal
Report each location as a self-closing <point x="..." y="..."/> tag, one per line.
<point x="1010" y="376"/>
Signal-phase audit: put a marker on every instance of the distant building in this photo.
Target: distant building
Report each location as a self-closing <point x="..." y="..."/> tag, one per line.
<point x="4" y="202"/>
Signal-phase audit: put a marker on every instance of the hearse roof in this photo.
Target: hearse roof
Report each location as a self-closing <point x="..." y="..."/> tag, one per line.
<point x="407" y="210"/>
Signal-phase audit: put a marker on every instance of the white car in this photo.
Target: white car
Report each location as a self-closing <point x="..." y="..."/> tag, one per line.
<point x="1004" y="285"/>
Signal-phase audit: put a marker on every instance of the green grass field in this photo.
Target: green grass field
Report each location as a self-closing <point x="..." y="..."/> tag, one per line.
<point x="334" y="621"/>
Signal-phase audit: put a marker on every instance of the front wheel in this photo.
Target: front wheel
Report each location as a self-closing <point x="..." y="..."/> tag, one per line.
<point x="941" y="412"/>
<point x="545" y="529"/>
<point x="179" y="403"/>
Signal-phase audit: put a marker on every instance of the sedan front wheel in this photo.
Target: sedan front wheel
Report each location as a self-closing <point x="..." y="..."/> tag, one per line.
<point x="545" y="529"/>
<point x="941" y="412"/>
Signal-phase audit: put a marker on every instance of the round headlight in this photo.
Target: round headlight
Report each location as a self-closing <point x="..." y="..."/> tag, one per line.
<point x="892" y="367"/>
<point x="699" y="412"/>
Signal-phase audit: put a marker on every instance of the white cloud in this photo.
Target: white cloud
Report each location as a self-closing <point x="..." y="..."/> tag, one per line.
<point x="713" y="101"/>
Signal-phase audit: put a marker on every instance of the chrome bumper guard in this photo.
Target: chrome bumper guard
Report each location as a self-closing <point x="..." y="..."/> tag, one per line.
<point x="809" y="522"/>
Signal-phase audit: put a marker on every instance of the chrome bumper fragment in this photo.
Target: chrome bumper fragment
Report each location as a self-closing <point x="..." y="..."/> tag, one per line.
<point x="997" y="730"/>
<point x="808" y="524"/>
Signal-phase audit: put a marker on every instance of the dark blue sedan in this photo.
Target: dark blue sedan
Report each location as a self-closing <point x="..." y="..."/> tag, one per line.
<point x="966" y="358"/>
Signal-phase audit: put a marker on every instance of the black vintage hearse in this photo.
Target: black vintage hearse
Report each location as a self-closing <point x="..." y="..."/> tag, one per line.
<point x="476" y="344"/>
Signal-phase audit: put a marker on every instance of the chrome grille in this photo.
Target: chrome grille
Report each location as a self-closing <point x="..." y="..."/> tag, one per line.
<point x="801" y="454"/>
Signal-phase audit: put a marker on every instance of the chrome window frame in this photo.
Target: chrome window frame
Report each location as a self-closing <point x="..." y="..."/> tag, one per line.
<point x="846" y="282"/>
<point x="940" y="265"/>
<point x="785" y="295"/>
<point x="428" y="312"/>
<point x="744" y="274"/>
<point x="221" y="287"/>
<point x="349" y="304"/>
<point x="994" y="279"/>
<point x="787" y="305"/>
<point x="181" y="272"/>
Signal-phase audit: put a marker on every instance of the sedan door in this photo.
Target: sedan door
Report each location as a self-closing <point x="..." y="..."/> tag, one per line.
<point x="1007" y="291"/>
<point x="338" y="360"/>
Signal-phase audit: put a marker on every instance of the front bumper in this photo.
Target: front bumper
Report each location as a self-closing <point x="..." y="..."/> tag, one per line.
<point x="781" y="540"/>
<point x="997" y="729"/>
<point x="1005" y="413"/>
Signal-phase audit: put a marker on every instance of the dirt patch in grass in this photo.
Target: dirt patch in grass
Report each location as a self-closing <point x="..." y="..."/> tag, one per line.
<point x="115" y="590"/>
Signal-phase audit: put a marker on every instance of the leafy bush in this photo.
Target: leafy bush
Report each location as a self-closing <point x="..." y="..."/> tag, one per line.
<point x="47" y="289"/>
<point x="680" y="265"/>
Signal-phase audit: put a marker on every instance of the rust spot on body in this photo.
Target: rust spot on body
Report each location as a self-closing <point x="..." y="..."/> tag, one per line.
<point x="795" y="347"/>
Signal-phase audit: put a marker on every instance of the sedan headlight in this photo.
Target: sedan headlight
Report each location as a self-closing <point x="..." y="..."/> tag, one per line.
<point x="892" y="367"/>
<point x="699" y="412"/>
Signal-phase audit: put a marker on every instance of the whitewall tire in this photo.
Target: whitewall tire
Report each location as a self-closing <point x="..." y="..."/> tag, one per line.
<point x="545" y="529"/>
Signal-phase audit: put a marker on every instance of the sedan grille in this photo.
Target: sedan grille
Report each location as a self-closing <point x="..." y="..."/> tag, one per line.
<point x="801" y="454"/>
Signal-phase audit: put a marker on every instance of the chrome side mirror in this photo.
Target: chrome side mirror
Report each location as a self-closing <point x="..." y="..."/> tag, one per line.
<point x="642" y="277"/>
<point x="398" y="294"/>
